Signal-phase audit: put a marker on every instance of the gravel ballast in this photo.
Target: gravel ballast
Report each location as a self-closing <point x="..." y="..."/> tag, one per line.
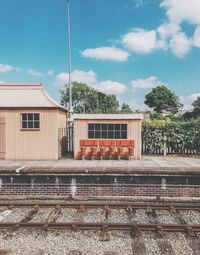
<point x="88" y="243"/>
<point x="68" y="242"/>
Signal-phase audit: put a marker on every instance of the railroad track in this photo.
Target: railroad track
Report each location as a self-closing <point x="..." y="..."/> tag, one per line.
<point x="51" y="224"/>
<point x="107" y="206"/>
<point x="159" y="228"/>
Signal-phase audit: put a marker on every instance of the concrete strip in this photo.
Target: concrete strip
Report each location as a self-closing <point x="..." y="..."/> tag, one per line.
<point x="154" y="164"/>
<point x="90" y="170"/>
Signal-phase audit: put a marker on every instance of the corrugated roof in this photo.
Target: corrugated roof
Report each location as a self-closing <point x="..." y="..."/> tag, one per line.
<point x="108" y="116"/>
<point x="26" y="96"/>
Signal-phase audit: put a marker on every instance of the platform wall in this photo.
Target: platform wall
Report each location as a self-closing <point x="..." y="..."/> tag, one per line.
<point x="99" y="185"/>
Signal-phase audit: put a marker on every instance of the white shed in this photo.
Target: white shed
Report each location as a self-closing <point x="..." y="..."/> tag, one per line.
<point x="121" y="131"/>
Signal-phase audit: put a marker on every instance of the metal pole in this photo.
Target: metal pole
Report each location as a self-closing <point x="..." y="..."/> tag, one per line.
<point x="69" y="61"/>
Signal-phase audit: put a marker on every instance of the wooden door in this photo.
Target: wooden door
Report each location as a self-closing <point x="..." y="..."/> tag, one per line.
<point x="2" y="138"/>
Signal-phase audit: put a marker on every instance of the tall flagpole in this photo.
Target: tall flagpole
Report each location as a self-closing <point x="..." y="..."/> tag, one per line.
<point x="69" y="61"/>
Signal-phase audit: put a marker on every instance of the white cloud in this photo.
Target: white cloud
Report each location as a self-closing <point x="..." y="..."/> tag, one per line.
<point x="111" y="87"/>
<point x="168" y="35"/>
<point x="167" y="30"/>
<point x="188" y="100"/>
<point x="106" y="53"/>
<point x="147" y="83"/>
<point x="90" y="78"/>
<point x="182" y="10"/>
<point x="77" y="75"/>
<point x="2" y="81"/>
<point x="180" y="44"/>
<point x="5" y="68"/>
<point x="33" y="72"/>
<point x="193" y="97"/>
<point x="196" y="37"/>
<point x="50" y="73"/>
<point x="139" y="3"/>
<point x="18" y="69"/>
<point x="141" y="41"/>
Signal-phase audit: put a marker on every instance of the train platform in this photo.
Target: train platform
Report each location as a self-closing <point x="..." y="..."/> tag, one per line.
<point x="147" y="163"/>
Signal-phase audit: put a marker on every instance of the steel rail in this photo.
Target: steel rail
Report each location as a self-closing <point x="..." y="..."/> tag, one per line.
<point x="190" y="229"/>
<point x="107" y="206"/>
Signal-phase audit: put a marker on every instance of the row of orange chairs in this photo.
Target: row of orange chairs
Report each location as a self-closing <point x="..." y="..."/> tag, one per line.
<point x="108" y="143"/>
<point x="106" y="149"/>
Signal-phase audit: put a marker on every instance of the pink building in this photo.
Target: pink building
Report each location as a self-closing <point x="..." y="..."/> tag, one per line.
<point x="29" y="123"/>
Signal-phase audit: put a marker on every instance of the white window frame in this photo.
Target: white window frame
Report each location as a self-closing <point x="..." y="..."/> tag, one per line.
<point x="33" y="121"/>
<point x="107" y="130"/>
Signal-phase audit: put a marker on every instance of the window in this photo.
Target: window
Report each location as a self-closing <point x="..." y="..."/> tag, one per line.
<point x="107" y="131"/>
<point x="30" y="120"/>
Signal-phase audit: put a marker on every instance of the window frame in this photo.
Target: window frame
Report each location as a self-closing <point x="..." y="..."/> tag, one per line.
<point x="27" y="120"/>
<point x="107" y="132"/>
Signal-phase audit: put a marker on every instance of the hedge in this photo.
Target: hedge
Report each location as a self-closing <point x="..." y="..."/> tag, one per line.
<point x="176" y="137"/>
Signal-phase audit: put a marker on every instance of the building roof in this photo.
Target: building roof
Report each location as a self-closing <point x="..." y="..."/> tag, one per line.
<point x="108" y="116"/>
<point x="26" y="96"/>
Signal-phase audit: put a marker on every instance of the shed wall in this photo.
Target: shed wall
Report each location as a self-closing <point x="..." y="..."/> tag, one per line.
<point x="30" y="145"/>
<point x="134" y="133"/>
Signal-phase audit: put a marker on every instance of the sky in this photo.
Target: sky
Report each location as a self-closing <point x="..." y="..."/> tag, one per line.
<point x="126" y="47"/>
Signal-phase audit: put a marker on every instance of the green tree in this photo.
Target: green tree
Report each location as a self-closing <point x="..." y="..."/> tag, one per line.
<point x="125" y="109"/>
<point x="85" y="99"/>
<point x="196" y="103"/>
<point x="195" y="113"/>
<point x="110" y="104"/>
<point x="89" y="100"/>
<point x="161" y="99"/>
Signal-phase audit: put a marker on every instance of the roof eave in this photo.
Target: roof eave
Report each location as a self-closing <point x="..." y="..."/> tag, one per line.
<point x="34" y="107"/>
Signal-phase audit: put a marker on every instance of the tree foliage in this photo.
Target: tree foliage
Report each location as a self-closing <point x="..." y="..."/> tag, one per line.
<point x="195" y="113"/>
<point x="196" y="103"/>
<point x="125" y="109"/>
<point x="182" y="137"/>
<point x="85" y="98"/>
<point x="110" y="104"/>
<point x="89" y="100"/>
<point x="161" y="99"/>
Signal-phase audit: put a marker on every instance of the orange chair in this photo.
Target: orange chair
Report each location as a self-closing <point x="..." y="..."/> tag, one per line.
<point x="101" y="143"/>
<point x="102" y="152"/>
<point x="130" y="151"/>
<point x="93" y="152"/>
<point x="82" y="143"/>
<point x="121" y="151"/>
<point x="131" y="143"/>
<point x="82" y="152"/>
<point x="118" y="143"/>
<point x="88" y="142"/>
<point x="111" y="152"/>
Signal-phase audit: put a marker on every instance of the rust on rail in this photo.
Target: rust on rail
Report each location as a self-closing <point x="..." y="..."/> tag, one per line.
<point x="102" y="226"/>
<point x="106" y="206"/>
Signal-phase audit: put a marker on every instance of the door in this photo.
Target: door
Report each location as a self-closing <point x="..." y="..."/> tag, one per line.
<point x="2" y="138"/>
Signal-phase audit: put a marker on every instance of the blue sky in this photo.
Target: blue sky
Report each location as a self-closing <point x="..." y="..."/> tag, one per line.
<point x="125" y="47"/>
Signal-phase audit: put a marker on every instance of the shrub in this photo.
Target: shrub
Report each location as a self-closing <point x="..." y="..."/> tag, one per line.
<point x="181" y="137"/>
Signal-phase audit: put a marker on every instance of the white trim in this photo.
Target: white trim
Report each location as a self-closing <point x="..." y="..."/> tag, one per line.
<point x="108" y="116"/>
<point x="21" y="129"/>
<point x="52" y="100"/>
